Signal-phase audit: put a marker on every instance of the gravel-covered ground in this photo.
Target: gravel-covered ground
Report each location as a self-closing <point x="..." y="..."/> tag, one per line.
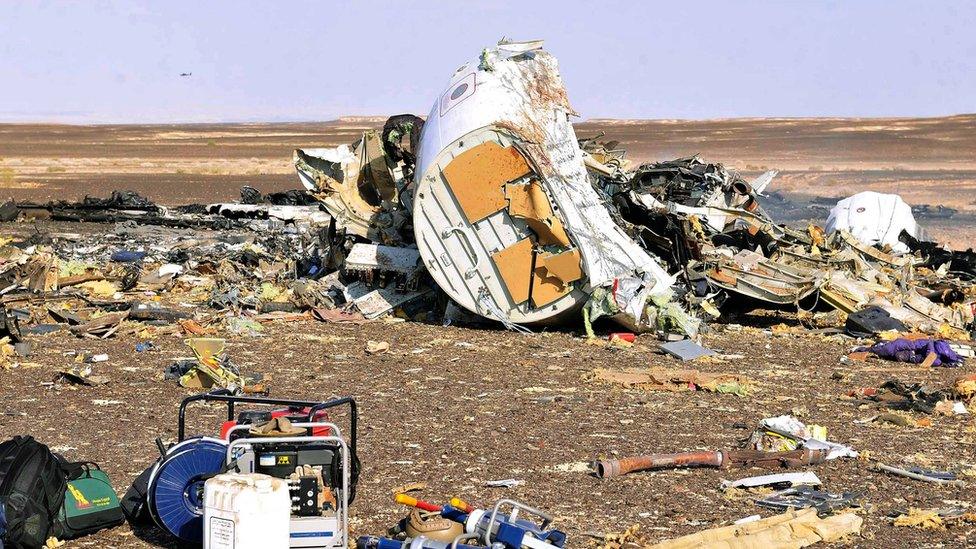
<point x="456" y="407"/>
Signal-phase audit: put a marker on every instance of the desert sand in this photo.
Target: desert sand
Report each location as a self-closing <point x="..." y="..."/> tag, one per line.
<point x="926" y="160"/>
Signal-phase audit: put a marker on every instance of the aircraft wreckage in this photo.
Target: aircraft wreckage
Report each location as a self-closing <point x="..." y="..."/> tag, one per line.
<point x="519" y="221"/>
<point x="502" y="207"/>
<point x="493" y="200"/>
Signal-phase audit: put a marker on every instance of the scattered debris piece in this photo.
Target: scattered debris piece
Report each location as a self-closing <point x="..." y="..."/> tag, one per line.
<point x="732" y="458"/>
<point x="629" y="538"/>
<point x="627" y="337"/>
<point x="685" y="349"/>
<point x="410" y="487"/>
<point x="102" y="327"/>
<point x="662" y="379"/>
<point x="785" y="433"/>
<point x="925" y="519"/>
<point x="144" y="346"/>
<point x="788" y="530"/>
<point x="377" y="347"/>
<point x="924" y="476"/>
<point x="791" y="479"/>
<point x="896" y="395"/>
<point x="81" y="374"/>
<point x="802" y="497"/>
<point x="504" y="483"/>
<point x="212" y="367"/>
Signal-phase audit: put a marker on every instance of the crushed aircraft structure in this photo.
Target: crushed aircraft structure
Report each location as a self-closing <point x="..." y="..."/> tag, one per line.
<point x="518" y="220"/>
<point x="505" y="217"/>
<point x="504" y="214"/>
<point x="493" y="208"/>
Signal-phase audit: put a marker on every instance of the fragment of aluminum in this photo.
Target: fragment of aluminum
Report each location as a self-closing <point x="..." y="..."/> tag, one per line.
<point x="355" y="184"/>
<point x="289" y="214"/>
<point x="922" y="310"/>
<point x="368" y="257"/>
<point x="760" y="183"/>
<point x="505" y="217"/>
<point x="375" y="303"/>
<point x="715" y="216"/>
<point x="752" y="275"/>
<point x="801" y="257"/>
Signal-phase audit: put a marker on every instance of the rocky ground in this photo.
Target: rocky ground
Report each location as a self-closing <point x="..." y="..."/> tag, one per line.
<point x="456" y="407"/>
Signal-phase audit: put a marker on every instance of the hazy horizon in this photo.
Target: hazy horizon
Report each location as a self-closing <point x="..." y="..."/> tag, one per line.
<point x="379" y="118"/>
<point x="121" y="62"/>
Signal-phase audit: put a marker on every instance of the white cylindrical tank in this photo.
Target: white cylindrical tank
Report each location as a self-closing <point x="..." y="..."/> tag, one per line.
<point x="245" y="511"/>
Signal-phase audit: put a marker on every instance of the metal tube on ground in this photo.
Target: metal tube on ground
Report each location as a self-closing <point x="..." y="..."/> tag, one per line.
<point x="916" y="476"/>
<point x="616" y="467"/>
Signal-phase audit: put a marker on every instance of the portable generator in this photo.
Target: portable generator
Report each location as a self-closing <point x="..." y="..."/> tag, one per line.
<point x="320" y="508"/>
<point x="319" y="465"/>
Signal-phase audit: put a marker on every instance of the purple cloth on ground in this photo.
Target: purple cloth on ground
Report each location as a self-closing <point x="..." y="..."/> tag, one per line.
<point x="915" y="351"/>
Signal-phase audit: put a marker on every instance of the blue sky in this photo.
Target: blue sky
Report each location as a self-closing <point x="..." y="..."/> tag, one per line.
<point x="279" y="60"/>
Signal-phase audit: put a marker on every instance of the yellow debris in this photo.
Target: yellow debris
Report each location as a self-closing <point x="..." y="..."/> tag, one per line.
<point x="925" y="519"/>
<point x="101" y="288"/>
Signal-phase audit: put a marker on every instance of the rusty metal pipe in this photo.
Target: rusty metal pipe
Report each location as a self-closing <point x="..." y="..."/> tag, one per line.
<point x="616" y="467"/>
<point x="733" y="458"/>
<point x="774" y="460"/>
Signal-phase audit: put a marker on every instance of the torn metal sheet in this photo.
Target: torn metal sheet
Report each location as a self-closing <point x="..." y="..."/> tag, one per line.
<point x="752" y="275"/>
<point x="509" y="109"/>
<point x="101" y="327"/>
<point x="685" y="349"/>
<point x="849" y="294"/>
<point x="803" y="496"/>
<point x="365" y="257"/>
<point x="692" y="186"/>
<point x="871" y="252"/>
<point x="288" y="207"/>
<point x="760" y="183"/>
<point x="378" y="302"/>
<point x="923" y="314"/>
<point x="528" y="202"/>
<point x="290" y="214"/>
<point x="957" y="262"/>
<point x="358" y="185"/>
<point x="808" y="478"/>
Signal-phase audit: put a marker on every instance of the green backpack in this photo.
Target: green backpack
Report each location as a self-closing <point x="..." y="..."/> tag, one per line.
<point x="90" y="504"/>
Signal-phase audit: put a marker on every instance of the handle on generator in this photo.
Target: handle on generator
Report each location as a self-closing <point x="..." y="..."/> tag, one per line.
<point x="225" y="395"/>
